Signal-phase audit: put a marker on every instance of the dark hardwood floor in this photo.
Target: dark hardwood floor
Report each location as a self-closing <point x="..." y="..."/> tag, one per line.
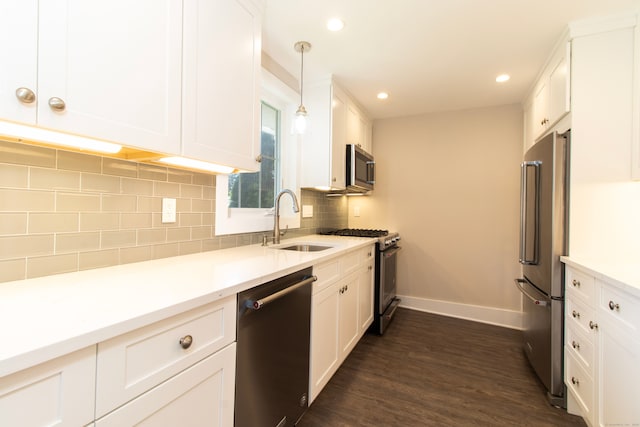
<point x="430" y="370"/>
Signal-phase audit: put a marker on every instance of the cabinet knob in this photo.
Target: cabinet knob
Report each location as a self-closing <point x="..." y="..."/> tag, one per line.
<point x="259" y="158"/>
<point x="57" y="104"/>
<point x="575" y="345"/>
<point x="575" y="314"/>
<point x="575" y="381"/>
<point x="370" y="268"/>
<point x="25" y="95"/>
<point x="186" y="341"/>
<point x="576" y="283"/>
<point x="593" y="325"/>
<point x="614" y="306"/>
<point x="334" y="179"/>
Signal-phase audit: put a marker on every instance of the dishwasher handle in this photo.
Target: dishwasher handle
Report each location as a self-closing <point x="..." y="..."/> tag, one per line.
<point x="258" y="304"/>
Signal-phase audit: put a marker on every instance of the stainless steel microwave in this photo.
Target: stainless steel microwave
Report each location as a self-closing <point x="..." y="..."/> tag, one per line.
<point x="360" y="169"/>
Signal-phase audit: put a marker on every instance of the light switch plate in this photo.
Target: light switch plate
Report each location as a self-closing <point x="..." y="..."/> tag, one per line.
<point x="356" y="211"/>
<point x="307" y="211"/>
<point x="168" y="210"/>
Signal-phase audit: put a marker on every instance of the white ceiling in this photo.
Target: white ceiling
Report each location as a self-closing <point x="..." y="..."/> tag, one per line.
<point x="429" y="55"/>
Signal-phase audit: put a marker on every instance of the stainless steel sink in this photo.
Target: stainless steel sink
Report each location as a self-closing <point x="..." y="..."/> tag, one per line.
<point x="304" y="247"/>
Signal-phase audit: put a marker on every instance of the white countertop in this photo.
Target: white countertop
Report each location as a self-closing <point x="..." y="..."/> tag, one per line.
<point x="47" y="317"/>
<point x="624" y="275"/>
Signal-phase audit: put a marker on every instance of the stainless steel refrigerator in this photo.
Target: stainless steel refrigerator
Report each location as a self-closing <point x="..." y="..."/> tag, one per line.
<point x="543" y="239"/>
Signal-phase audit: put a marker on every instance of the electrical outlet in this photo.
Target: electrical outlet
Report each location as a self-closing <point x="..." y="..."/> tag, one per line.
<point x="307" y="211"/>
<point x="168" y="210"/>
<point x="356" y="211"/>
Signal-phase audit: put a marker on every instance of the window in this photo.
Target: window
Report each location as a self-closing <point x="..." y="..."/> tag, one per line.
<point x="244" y="202"/>
<point x="258" y="189"/>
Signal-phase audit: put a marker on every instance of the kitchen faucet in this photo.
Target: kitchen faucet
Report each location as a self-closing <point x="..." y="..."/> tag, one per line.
<point x="276" y="215"/>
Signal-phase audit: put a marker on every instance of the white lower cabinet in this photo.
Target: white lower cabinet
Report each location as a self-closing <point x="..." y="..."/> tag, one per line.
<point x="201" y="395"/>
<point x="602" y="350"/>
<point x="158" y="373"/>
<point x="60" y="392"/>
<point x="341" y="312"/>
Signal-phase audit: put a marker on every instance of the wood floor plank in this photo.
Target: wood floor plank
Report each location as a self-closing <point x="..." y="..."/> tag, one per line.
<point x="431" y="370"/>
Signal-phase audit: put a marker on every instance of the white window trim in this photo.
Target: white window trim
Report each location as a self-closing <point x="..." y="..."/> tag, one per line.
<point x="247" y="220"/>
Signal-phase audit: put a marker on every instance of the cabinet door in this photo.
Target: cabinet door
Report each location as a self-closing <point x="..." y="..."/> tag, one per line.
<point x="324" y="339"/>
<point x="338" y="138"/>
<point x="619" y="377"/>
<point x="540" y="112"/>
<point x="18" y="53"/>
<point x="202" y="395"/>
<point x="57" y="393"/>
<point x="365" y="296"/>
<point x="559" y="88"/>
<point x="221" y="114"/>
<point x="116" y="66"/>
<point x="348" y="315"/>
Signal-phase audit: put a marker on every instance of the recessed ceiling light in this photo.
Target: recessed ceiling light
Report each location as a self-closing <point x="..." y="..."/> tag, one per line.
<point x="503" y="78"/>
<point x="383" y="95"/>
<point x="335" y="24"/>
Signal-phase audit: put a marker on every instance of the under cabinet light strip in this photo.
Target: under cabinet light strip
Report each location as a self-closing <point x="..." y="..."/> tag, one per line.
<point x="196" y="164"/>
<point x="32" y="134"/>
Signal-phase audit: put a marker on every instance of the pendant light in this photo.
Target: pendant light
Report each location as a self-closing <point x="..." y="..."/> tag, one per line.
<point x="301" y="112"/>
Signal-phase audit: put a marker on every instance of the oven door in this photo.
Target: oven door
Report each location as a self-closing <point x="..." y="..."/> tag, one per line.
<point x="388" y="267"/>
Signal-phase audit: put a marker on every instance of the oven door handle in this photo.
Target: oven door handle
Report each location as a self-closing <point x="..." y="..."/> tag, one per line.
<point x="536" y="301"/>
<point x="387" y="253"/>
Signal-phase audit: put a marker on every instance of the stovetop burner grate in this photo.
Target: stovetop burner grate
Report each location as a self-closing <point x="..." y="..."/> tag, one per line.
<point x="357" y="232"/>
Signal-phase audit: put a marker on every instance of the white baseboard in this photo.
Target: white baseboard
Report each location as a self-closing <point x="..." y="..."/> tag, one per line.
<point x="493" y="316"/>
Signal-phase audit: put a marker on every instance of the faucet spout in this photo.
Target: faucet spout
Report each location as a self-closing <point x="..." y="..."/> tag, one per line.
<point x="276" y="215"/>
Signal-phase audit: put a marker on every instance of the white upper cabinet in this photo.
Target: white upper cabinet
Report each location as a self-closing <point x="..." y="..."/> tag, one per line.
<point x="221" y="110"/>
<point x="335" y="121"/>
<point x="550" y="100"/>
<point x="111" y="70"/>
<point x="19" y="51"/>
<point x="358" y="128"/>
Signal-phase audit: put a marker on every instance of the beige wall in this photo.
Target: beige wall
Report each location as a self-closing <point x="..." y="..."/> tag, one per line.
<point x="449" y="183"/>
<point x="62" y="211"/>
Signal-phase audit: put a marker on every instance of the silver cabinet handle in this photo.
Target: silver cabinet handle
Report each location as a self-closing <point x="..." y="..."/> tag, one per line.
<point x="186" y="341"/>
<point x="614" y="306"/>
<point x="57" y="104"/>
<point x="575" y="381"/>
<point x="25" y="95"/>
<point x="593" y="325"/>
<point x="576" y="283"/>
<point x="575" y="345"/>
<point x="575" y="314"/>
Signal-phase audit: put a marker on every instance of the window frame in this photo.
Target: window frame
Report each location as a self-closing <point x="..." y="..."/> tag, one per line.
<point x="247" y="220"/>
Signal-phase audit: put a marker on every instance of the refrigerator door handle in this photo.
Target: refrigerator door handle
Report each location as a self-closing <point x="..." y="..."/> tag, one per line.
<point x="527" y="258"/>
<point x="536" y="301"/>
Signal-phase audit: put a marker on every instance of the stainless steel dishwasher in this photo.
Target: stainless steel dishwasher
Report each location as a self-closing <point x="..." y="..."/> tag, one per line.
<point x="272" y="361"/>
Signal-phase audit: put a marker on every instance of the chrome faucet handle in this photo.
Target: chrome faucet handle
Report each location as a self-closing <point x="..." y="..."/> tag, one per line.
<point x="286" y="228"/>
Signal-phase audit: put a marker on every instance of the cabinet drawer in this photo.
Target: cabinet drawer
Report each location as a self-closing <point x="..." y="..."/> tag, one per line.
<point x="56" y="393"/>
<point x="351" y="262"/>
<point x="622" y="308"/>
<point x="581" y="284"/>
<point x="327" y="273"/>
<point x="581" y="385"/>
<point x="201" y="395"/>
<point x="581" y="315"/>
<point x="135" y="362"/>
<point x="367" y="254"/>
<point x="581" y="347"/>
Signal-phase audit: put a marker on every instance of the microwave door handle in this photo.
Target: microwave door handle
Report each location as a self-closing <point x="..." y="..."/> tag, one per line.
<point x="371" y="166"/>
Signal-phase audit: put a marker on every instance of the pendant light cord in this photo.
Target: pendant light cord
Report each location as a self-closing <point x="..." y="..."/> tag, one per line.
<point x="301" y="71"/>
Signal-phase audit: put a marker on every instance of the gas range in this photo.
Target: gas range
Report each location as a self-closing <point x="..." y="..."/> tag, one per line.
<point x="385" y="238"/>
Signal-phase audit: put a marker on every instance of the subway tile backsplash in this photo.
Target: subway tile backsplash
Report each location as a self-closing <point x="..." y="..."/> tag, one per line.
<point x="64" y="211"/>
